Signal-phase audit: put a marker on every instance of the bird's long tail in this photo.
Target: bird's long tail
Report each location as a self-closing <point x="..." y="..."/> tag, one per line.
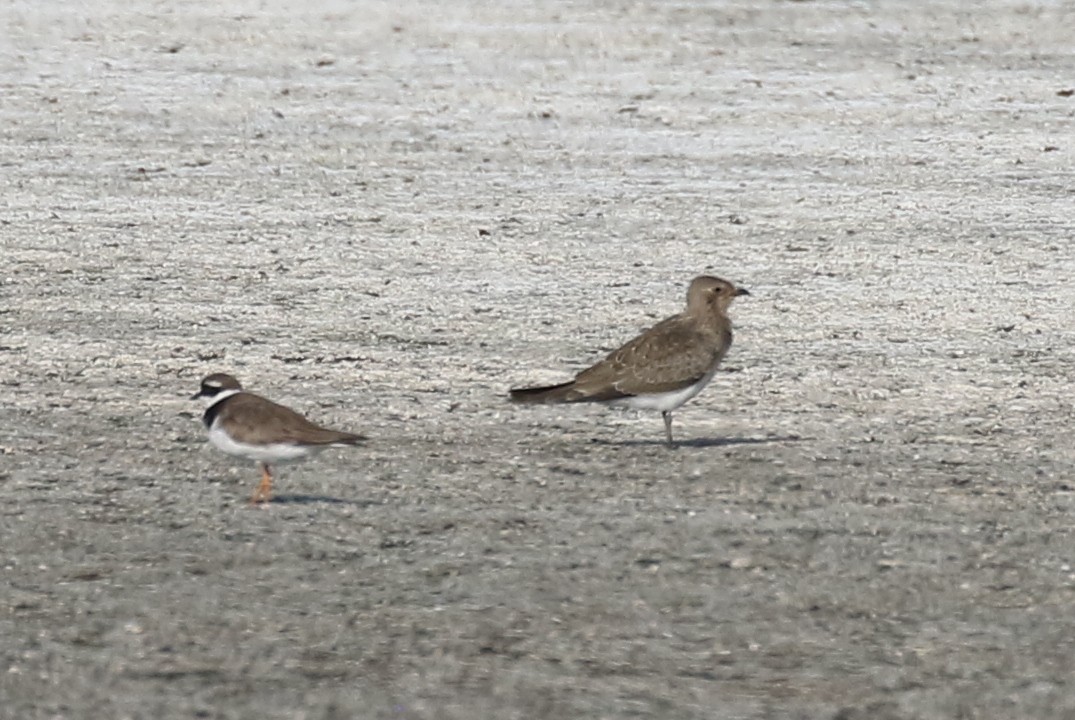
<point x="564" y="392"/>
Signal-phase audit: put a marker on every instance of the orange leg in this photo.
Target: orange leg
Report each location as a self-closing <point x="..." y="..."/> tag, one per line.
<point x="263" y="494"/>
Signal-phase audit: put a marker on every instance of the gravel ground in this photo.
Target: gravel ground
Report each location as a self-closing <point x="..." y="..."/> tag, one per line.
<point x="387" y="214"/>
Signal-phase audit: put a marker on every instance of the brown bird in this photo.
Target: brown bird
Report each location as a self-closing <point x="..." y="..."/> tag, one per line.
<point x="250" y="426"/>
<point x="663" y="367"/>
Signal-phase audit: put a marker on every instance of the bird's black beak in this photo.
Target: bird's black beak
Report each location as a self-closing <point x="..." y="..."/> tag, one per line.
<point x="196" y="395"/>
<point x="741" y="291"/>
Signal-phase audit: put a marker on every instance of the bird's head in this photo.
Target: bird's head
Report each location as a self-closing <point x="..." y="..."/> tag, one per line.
<point x="213" y="385"/>
<point x="708" y="294"/>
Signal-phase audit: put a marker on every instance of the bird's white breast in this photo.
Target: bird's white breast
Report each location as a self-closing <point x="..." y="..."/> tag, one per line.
<point x="273" y="453"/>
<point x="668" y="401"/>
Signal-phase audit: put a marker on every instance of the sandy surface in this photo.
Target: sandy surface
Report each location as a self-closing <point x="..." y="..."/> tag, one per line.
<point x="386" y="214"/>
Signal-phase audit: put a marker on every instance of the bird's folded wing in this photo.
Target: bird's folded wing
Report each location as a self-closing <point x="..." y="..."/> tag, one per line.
<point x="258" y="420"/>
<point x="668" y="358"/>
<point x="314" y="435"/>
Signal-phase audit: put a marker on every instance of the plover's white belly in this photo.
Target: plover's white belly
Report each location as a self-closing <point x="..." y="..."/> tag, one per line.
<point x="274" y="453"/>
<point x="668" y="400"/>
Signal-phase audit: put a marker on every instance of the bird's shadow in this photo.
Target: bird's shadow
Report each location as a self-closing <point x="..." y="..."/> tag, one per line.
<point x="297" y="499"/>
<point x="715" y="442"/>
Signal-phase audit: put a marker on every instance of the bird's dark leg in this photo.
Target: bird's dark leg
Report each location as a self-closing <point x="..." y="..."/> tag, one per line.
<point x="264" y="491"/>
<point x="667" y="415"/>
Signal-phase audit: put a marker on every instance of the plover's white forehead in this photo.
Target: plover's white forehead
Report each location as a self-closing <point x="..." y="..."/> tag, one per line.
<point x="217" y="386"/>
<point x="220" y="381"/>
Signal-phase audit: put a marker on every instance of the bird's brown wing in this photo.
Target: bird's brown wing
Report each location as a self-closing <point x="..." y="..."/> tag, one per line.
<point x="670" y="356"/>
<point x="257" y="420"/>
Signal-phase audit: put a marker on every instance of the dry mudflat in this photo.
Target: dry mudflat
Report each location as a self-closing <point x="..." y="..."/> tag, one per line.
<point x="385" y="214"/>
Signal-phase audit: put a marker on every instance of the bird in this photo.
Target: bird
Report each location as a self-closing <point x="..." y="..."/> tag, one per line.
<point x="246" y="425"/>
<point x="663" y="367"/>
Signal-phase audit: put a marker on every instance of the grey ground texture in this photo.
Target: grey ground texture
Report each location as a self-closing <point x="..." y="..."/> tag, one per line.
<point x="386" y="214"/>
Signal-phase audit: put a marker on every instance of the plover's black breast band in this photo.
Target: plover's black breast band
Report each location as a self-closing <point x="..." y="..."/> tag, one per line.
<point x="213" y="410"/>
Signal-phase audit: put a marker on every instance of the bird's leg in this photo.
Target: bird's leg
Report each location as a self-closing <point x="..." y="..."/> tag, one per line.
<point x="667" y="415"/>
<point x="264" y="490"/>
